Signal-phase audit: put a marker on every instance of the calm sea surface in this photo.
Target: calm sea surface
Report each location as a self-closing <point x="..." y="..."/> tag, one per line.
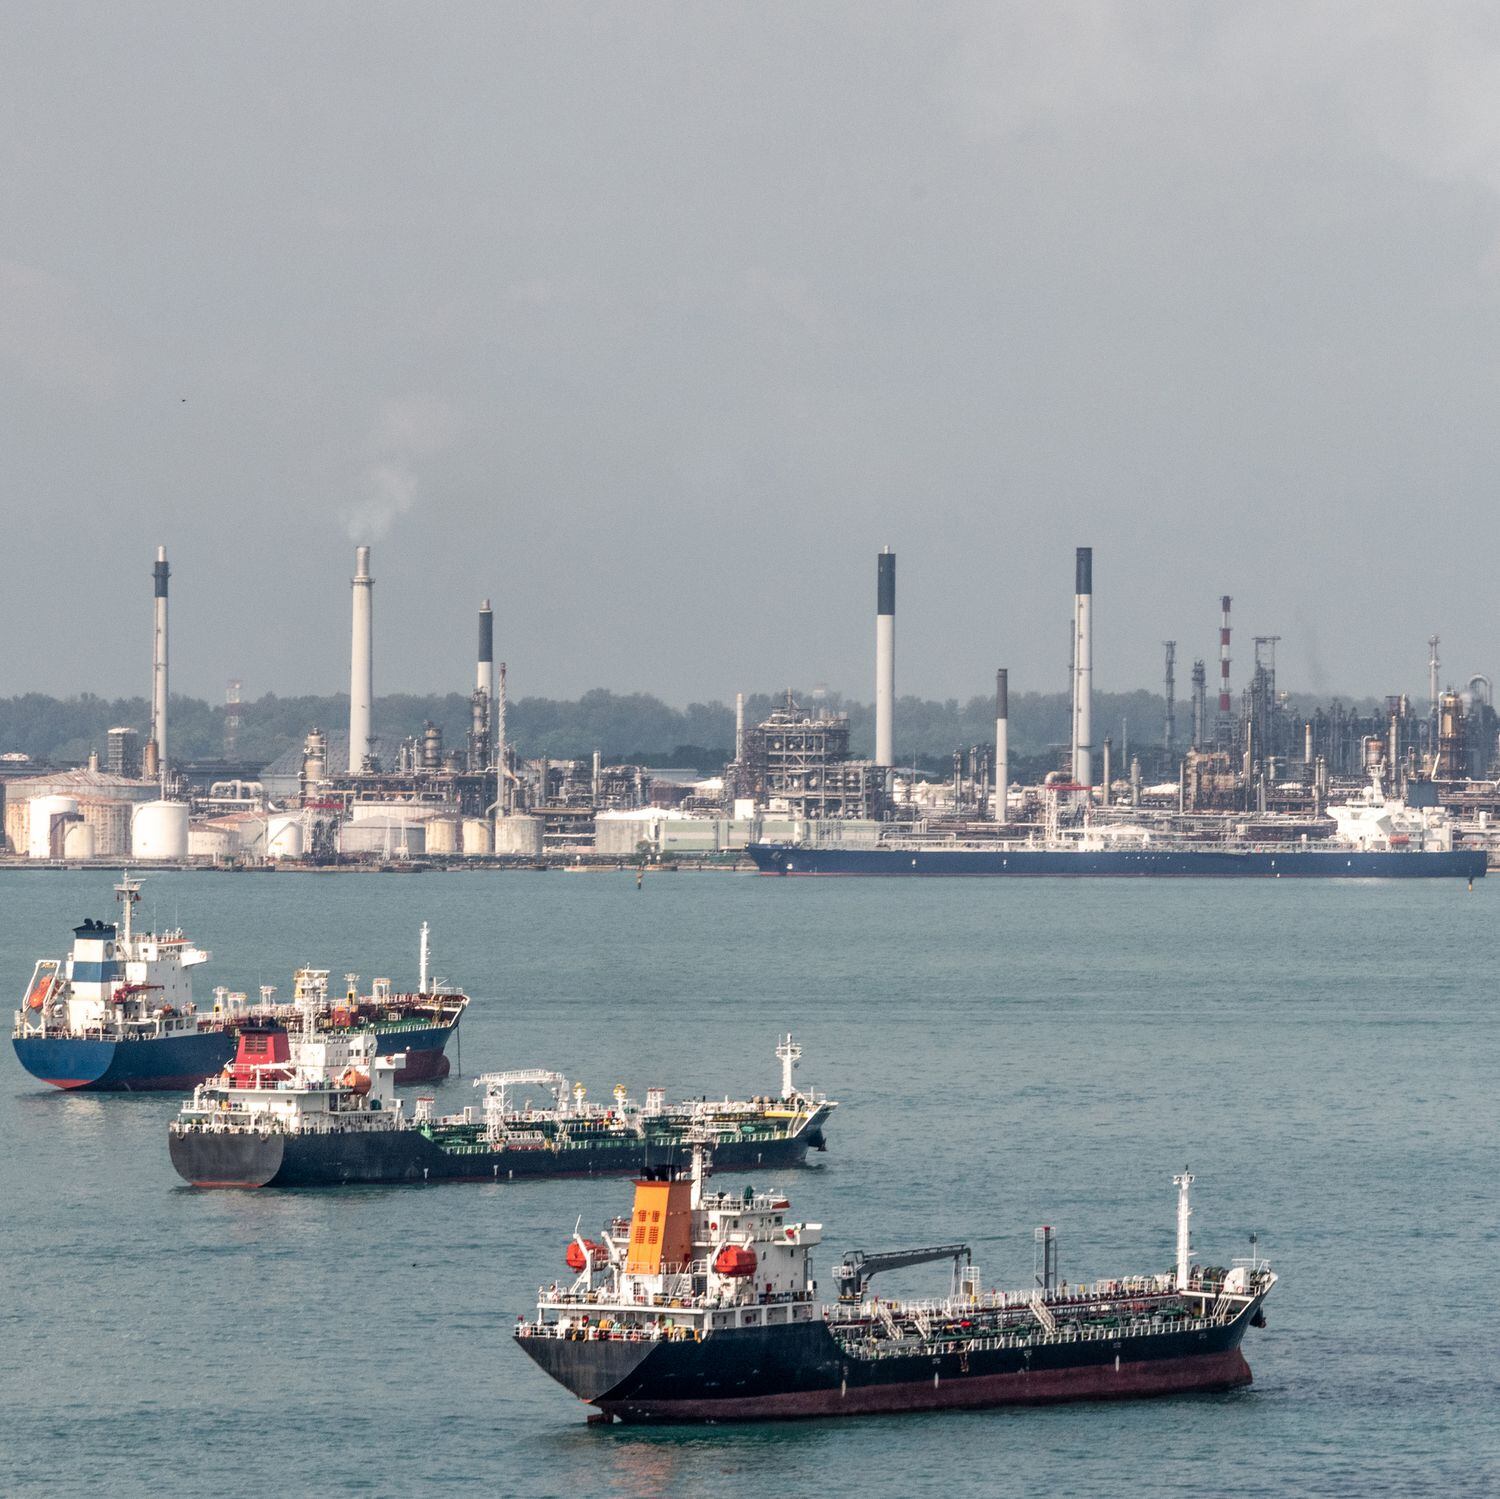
<point x="1007" y="1053"/>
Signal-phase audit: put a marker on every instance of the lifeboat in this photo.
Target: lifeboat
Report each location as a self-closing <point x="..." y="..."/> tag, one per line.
<point x="38" y="996"/>
<point x="735" y="1259"/>
<point x="578" y="1261"/>
<point x="355" y="1080"/>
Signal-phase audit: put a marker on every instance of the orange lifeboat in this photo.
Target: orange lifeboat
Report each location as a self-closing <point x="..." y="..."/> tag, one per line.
<point x="735" y="1259"/>
<point x="38" y="996"/>
<point x="578" y="1261"/>
<point x="355" y="1080"/>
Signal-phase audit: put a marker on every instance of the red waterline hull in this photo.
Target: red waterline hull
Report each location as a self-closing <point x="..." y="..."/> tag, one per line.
<point x="1194" y="1374"/>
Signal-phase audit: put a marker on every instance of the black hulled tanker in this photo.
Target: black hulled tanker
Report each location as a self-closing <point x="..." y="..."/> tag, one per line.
<point x="313" y="1111"/>
<point x="702" y="1307"/>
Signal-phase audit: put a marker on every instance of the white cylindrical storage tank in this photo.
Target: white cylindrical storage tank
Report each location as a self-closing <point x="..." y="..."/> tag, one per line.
<point x="443" y="836"/>
<point x="78" y="841"/>
<point x="478" y="837"/>
<point x="160" y="831"/>
<point x="284" y="837"/>
<point x="383" y="840"/>
<point x="518" y="835"/>
<point x="212" y="841"/>
<point x="43" y="836"/>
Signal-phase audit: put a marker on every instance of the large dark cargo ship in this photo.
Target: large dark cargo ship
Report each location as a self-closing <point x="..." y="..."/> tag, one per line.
<point x="703" y="1307"/>
<point x="118" y="1014"/>
<point x="1290" y="862"/>
<point x="312" y="1110"/>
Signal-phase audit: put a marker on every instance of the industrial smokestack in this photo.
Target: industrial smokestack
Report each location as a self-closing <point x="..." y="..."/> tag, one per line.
<point x="885" y="656"/>
<point x="502" y="789"/>
<point x="1200" y="702"/>
<point x="482" y="710"/>
<point x="361" y="662"/>
<point x="1002" y="743"/>
<point x="1169" y="723"/>
<point x="159" y="661"/>
<point x="739" y="728"/>
<point x="1083" y="667"/>
<point x="1226" y="727"/>
<point x="484" y="679"/>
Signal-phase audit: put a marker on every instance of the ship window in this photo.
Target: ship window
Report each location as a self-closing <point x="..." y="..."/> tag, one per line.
<point x="752" y="1319"/>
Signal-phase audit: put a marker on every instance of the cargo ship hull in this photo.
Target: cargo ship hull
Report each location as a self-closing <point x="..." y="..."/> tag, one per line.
<point x="221" y="1158"/>
<point x="1293" y="863"/>
<point x="158" y="1064"/>
<point x="772" y="1373"/>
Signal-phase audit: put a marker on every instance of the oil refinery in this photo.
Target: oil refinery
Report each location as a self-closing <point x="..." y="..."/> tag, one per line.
<point x="1253" y="777"/>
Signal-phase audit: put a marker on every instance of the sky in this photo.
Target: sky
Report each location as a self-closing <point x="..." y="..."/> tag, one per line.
<point x="655" y="322"/>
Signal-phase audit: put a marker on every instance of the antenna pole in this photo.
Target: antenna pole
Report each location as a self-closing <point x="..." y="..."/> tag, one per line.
<point x="422" y="969"/>
<point x="1183" y="1183"/>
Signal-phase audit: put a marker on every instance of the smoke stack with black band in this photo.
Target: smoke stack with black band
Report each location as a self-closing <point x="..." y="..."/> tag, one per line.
<point x="361" y="662"/>
<point x="885" y="657"/>
<point x="481" y="731"/>
<point x="159" y="661"/>
<point x="1083" y="667"/>
<point x="1002" y="742"/>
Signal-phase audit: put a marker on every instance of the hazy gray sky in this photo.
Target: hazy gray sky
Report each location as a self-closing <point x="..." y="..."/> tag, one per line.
<point x="656" y="321"/>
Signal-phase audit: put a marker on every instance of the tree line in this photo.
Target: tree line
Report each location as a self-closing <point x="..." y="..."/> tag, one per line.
<point x="624" y="727"/>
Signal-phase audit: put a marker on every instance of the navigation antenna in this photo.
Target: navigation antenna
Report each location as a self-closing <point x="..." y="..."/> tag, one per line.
<point x="790" y="1053"/>
<point x="701" y="1138"/>
<point x="1184" y="1231"/>
<point x="128" y="892"/>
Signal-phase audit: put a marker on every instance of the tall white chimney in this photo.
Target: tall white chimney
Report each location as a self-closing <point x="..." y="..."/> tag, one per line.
<point x="159" y="661"/>
<point x="739" y="728"/>
<point x="1083" y="667"/>
<point x="1002" y="743"/>
<point x="885" y="656"/>
<point x="361" y="664"/>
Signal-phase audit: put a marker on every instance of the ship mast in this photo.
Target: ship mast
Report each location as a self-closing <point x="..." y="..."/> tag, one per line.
<point x="127" y="892"/>
<point x="789" y="1052"/>
<point x="1184" y="1231"/>
<point x="422" y="969"/>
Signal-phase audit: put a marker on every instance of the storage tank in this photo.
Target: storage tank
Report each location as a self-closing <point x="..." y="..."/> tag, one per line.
<point x="479" y="839"/>
<point x="160" y="831"/>
<point x="443" y="836"/>
<point x="110" y="821"/>
<point x="208" y="840"/>
<point x="384" y="840"/>
<point x="46" y="824"/>
<point x="518" y="835"/>
<point x="78" y="841"/>
<point x="284" y="837"/>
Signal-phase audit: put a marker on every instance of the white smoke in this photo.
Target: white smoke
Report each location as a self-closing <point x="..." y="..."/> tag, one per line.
<point x="408" y="430"/>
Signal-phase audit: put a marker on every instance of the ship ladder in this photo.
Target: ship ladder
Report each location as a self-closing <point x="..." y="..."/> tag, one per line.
<point x="1043" y="1312"/>
<point x="1223" y="1310"/>
<point x="886" y="1317"/>
<point x="924" y="1324"/>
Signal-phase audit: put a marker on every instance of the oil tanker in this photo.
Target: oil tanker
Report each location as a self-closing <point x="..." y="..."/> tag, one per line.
<point x="1291" y="861"/>
<point x="702" y="1306"/>
<point x="317" y="1109"/>
<point x="1374" y="837"/>
<point x="118" y="1013"/>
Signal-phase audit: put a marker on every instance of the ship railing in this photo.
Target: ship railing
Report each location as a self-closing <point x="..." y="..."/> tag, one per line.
<point x="876" y="1347"/>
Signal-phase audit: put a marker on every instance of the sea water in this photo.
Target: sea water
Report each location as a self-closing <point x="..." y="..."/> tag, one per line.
<point x="1006" y="1053"/>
